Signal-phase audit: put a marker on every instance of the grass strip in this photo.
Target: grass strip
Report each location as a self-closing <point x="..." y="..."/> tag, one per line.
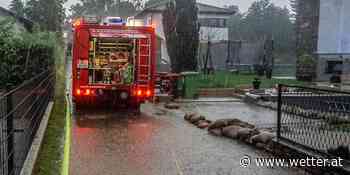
<point x="50" y="157"/>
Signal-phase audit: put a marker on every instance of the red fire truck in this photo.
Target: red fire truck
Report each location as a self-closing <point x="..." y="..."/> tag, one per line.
<point x="113" y="63"/>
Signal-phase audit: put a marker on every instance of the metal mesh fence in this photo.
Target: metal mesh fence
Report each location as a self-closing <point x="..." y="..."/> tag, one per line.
<point x="316" y="119"/>
<point x="21" y="111"/>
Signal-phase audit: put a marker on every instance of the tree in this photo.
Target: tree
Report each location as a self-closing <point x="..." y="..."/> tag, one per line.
<point x="32" y="10"/>
<point x="17" y="7"/>
<point x="49" y="14"/>
<point x="105" y="8"/>
<point x="306" y="15"/>
<point x="184" y="37"/>
<point x="150" y="3"/>
<point x="169" y="26"/>
<point x="264" y="21"/>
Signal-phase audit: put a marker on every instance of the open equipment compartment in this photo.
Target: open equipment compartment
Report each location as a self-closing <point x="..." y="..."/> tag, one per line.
<point x="112" y="60"/>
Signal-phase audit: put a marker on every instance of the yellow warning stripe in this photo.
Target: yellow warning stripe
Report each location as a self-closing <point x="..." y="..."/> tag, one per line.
<point x="67" y="144"/>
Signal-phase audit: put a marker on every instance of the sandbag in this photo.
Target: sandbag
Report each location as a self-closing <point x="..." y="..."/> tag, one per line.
<point x="263" y="137"/>
<point x="245" y="125"/>
<point x="231" y="131"/>
<point x="215" y="132"/>
<point x="203" y="124"/>
<point x="261" y="145"/>
<point x="188" y="116"/>
<point x="221" y="123"/>
<point x="196" y="118"/>
<point x="172" y="106"/>
<point x="246" y="133"/>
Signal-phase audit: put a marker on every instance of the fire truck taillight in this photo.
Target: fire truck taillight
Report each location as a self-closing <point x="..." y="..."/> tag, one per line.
<point x="78" y="92"/>
<point x="139" y="93"/>
<point x="148" y="93"/>
<point x="88" y="92"/>
<point x="77" y="23"/>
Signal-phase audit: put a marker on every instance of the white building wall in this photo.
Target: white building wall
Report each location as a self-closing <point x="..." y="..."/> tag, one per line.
<point x="212" y="16"/>
<point x="156" y="19"/>
<point x="334" y="27"/>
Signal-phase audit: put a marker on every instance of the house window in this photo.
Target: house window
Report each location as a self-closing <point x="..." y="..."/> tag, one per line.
<point x="212" y="22"/>
<point x="334" y="67"/>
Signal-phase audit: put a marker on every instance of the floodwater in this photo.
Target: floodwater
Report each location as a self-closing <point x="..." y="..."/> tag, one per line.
<point x="157" y="142"/>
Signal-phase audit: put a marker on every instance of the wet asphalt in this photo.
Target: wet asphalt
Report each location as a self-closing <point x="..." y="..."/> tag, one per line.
<point x="157" y="142"/>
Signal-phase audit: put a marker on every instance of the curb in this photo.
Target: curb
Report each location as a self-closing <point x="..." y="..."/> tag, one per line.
<point x="33" y="153"/>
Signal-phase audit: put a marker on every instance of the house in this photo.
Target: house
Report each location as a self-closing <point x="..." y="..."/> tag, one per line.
<point x="328" y="25"/>
<point x="334" y="39"/>
<point x="213" y="21"/>
<point x="21" y="23"/>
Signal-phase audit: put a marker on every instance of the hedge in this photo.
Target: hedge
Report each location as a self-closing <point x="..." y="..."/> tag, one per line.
<point x="24" y="55"/>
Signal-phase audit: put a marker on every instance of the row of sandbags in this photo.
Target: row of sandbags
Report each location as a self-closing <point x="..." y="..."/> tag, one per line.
<point x="172" y="105"/>
<point x="233" y="129"/>
<point x="198" y="120"/>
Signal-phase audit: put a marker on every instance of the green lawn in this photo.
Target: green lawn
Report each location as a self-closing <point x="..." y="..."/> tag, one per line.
<point x="229" y="80"/>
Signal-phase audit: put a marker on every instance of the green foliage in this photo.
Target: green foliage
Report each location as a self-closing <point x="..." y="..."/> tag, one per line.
<point x="306" y="13"/>
<point x="263" y="21"/>
<point x="17" y="7"/>
<point x="50" y="14"/>
<point x="105" y="8"/>
<point x="23" y="55"/>
<point x="150" y="3"/>
<point x="182" y="33"/>
<point x="306" y="60"/>
<point x="169" y="25"/>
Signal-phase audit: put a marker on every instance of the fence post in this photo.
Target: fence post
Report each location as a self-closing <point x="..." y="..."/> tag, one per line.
<point x="10" y="133"/>
<point x="279" y="111"/>
<point x="53" y="85"/>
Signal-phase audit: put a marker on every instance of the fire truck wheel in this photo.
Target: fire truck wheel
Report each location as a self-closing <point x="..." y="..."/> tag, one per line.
<point x="75" y="110"/>
<point x="79" y="119"/>
<point x="136" y="108"/>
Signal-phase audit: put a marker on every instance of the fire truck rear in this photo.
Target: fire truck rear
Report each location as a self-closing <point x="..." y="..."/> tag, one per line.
<point x="113" y="64"/>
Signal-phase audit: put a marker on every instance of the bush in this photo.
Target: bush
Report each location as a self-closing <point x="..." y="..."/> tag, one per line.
<point x="306" y="60"/>
<point x="23" y="55"/>
<point x="306" y="68"/>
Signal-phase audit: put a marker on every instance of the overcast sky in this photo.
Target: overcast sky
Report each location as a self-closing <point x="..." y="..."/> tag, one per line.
<point x="242" y="4"/>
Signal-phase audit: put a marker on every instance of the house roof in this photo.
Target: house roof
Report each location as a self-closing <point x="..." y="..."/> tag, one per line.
<point x="28" y="24"/>
<point x="202" y="8"/>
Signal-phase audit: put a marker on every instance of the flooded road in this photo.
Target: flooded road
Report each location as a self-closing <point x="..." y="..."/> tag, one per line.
<point x="159" y="142"/>
<point x="155" y="143"/>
